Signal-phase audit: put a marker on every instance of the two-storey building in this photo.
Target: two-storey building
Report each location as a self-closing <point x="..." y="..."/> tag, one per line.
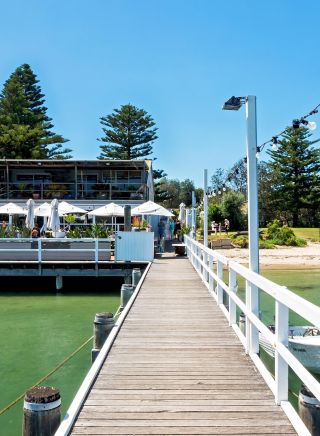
<point x="89" y="183"/>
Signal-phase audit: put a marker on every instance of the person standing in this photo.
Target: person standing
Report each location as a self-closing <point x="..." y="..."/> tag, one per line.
<point x="177" y="229"/>
<point x="161" y="229"/>
<point x="226" y="225"/>
<point x="171" y="229"/>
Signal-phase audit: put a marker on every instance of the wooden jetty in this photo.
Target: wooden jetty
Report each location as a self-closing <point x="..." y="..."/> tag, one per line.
<point x="176" y="367"/>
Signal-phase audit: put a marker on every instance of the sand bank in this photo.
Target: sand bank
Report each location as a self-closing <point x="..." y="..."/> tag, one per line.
<point x="280" y="257"/>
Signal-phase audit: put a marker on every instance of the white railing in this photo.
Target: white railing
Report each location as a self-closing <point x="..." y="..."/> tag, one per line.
<point x="61" y="249"/>
<point x="210" y="266"/>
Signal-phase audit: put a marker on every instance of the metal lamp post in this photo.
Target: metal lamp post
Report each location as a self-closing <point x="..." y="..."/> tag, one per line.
<point x="234" y="103"/>
<point x="205" y="208"/>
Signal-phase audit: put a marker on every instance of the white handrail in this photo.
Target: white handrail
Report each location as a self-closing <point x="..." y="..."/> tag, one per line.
<point x="204" y="261"/>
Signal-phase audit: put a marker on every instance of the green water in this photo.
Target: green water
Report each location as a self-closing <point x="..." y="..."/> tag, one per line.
<point x="37" y="331"/>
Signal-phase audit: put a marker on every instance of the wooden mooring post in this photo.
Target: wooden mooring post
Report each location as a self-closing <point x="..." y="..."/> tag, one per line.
<point x="126" y="293"/>
<point x="102" y="325"/>
<point x="309" y="410"/>
<point x="136" y="276"/>
<point x="41" y="411"/>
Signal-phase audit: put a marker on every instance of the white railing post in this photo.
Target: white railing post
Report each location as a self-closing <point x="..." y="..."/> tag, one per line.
<point x="210" y="276"/>
<point x="96" y="250"/>
<point x="232" y="304"/>
<point x="219" y="287"/>
<point x="281" y="366"/>
<point x="252" y="299"/>
<point x="204" y="271"/>
<point x="39" y="250"/>
<point x="198" y="259"/>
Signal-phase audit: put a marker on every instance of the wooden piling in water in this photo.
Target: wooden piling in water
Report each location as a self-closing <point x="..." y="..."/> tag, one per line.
<point x="126" y="292"/>
<point x="128" y="277"/>
<point x="41" y="411"/>
<point x="136" y="276"/>
<point x="102" y="326"/>
<point x="59" y="282"/>
<point x="309" y="410"/>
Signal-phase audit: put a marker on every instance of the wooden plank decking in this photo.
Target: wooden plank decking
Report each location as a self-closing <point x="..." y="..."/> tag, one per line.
<point x="177" y="368"/>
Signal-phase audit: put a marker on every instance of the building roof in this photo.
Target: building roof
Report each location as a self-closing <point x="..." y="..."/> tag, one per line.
<point x="138" y="164"/>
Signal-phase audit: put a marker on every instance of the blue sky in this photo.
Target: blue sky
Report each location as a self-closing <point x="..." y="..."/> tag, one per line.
<point x="179" y="60"/>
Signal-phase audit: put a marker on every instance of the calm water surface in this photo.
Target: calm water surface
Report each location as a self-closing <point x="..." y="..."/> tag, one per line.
<point x="37" y="332"/>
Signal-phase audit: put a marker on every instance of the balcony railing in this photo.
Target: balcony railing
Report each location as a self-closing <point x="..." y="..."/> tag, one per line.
<point x="73" y="191"/>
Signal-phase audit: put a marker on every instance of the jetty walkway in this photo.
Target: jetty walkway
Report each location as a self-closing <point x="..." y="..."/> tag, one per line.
<point x="176" y="367"/>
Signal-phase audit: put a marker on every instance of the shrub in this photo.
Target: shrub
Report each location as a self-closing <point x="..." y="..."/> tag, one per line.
<point x="266" y="244"/>
<point x="241" y="241"/>
<point x="282" y="235"/>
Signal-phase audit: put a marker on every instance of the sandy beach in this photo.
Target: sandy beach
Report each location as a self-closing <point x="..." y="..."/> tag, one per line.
<point x="280" y="257"/>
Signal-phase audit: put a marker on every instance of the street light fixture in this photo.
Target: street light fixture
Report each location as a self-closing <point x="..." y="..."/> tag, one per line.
<point x="234" y="103"/>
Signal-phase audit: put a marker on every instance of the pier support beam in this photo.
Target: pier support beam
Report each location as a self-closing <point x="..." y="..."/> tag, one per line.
<point x="102" y="326"/>
<point x="41" y="411"/>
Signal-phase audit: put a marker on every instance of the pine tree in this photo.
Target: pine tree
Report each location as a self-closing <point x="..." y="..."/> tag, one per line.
<point x="129" y="133"/>
<point x="297" y="166"/>
<point x="25" y="128"/>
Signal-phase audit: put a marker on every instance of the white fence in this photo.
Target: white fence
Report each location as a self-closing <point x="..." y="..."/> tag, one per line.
<point x="210" y="266"/>
<point x="125" y="246"/>
<point x="55" y="249"/>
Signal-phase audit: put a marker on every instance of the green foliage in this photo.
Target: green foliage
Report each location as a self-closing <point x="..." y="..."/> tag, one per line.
<point x="96" y="231"/>
<point x="214" y="212"/>
<point x="266" y="244"/>
<point x="70" y="219"/>
<point x="25" y="128"/>
<point x="171" y="192"/>
<point x="232" y="209"/>
<point x="129" y="133"/>
<point x="185" y="230"/>
<point x="74" y="233"/>
<point x="241" y="241"/>
<point x="282" y="235"/>
<point x="297" y="185"/>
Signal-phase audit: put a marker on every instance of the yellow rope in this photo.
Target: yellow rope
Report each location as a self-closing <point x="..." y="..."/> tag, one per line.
<point x="2" y="411"/>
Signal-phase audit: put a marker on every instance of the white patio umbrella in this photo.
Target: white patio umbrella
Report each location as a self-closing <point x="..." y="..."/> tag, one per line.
<point x="182" y="213"/>
<point x="65" y="208"/>
<point x="148" y="208"/>
<point x="111" y="209"/>
<point x="54" y="220"/>
<point x="30" y="214"/>
<point x="161" y="211"/>
<point x="12" y="209"/>
<point x="43" y="210"/>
